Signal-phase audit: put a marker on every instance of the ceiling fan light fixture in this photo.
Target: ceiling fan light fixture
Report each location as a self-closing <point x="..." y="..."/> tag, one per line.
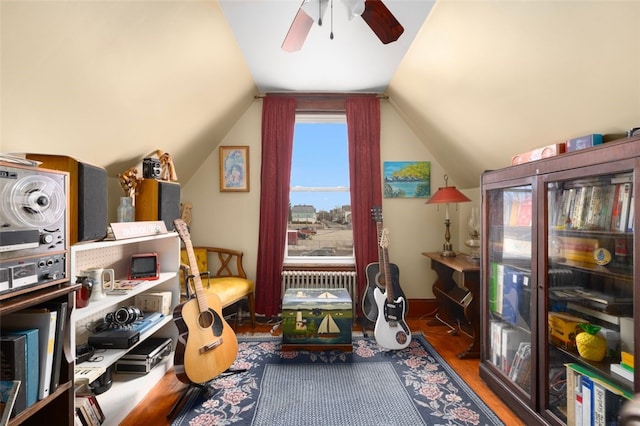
<point x="354" y="8"/>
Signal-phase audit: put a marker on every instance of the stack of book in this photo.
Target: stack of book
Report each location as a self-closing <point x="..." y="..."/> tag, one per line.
<point x="31" y="343"/>
<point x="625" y="368"/>
<point x="599" y="205"/>
<point x="88" y="411"/>
<point x="591" y="399"/>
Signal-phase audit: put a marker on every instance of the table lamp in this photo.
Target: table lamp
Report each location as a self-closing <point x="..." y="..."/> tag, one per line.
<point x="447" y="195"/>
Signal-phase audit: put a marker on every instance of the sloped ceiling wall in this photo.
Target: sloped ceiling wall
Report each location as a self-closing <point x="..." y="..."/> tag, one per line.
<point x="487" y="80"/>
<point x="111" y="82"/>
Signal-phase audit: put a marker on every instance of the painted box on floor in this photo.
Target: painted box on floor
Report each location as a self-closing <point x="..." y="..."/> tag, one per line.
<point x="316" y="317"/>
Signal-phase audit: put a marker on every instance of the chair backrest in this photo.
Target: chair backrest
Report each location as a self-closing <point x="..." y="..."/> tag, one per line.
<point x="201" y="258"/>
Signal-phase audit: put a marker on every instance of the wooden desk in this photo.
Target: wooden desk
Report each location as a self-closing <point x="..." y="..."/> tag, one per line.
<point x="450" y="296"/>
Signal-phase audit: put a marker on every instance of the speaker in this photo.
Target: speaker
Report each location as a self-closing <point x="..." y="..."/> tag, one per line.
<point x="87" y="196"/>
<point x="158" y="200"/>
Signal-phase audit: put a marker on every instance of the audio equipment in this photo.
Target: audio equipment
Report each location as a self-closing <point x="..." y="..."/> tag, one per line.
<point x="87" y="196"/>
<point x="123" y="317"/>
<point x="151" y="168"/>
<point x="158" y="200"/>
<point x="116" y="338"/>
<point x="34" y="239"/>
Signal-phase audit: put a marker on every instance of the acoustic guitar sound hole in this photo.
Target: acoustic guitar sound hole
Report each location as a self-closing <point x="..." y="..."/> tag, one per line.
<point x="210" y="319"/>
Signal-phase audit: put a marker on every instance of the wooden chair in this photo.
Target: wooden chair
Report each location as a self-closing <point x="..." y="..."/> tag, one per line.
<point x="222" y="272"/>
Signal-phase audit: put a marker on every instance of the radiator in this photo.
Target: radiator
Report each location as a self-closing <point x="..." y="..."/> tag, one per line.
<point x="322" y="279"/>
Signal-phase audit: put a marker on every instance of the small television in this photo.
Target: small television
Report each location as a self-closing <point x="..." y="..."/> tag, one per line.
<point x="144" y="266"/>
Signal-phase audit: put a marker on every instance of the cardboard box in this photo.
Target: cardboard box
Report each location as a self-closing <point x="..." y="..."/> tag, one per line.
<point x="564" y="328"/>
<point x="538" y="154"/>
<point x="583" y="142"/>
<point x="317" y="318"/>
<point x="154" y="302"/>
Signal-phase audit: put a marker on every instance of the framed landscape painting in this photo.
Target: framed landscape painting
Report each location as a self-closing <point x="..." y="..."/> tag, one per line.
<point x="234" y="168"/>
<point x="407" y="179"/>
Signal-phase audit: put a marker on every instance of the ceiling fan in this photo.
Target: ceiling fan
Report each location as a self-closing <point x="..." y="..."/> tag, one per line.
<point x="377" y="16"/>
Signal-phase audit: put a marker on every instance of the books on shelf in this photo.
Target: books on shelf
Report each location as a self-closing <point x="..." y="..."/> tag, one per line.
<point x="603" y="205"/>
<point x="31" y="376"/>
<point x="596" y="400"/>
<point x="88" y="410"/>
<point x="44" y="320"/>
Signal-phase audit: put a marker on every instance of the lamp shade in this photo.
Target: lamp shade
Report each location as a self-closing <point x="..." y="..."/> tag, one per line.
<point x="448" y="194"/>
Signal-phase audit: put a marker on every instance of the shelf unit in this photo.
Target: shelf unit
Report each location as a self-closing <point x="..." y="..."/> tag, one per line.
<point x="127" y="389"/>
<point x="553" y="257"/>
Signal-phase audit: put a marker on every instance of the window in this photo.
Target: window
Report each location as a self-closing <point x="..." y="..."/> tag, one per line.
<point x="319" y="217"/>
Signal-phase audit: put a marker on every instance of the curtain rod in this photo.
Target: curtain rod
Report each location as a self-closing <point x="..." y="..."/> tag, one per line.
<point x="322" y="95"/>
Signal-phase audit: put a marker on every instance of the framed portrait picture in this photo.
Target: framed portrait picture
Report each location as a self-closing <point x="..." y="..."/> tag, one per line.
<point x="234" y="169"/>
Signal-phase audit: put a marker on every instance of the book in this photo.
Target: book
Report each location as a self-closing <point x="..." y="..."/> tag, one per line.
<point x="45" y="322"/>
<point x="96" y="408"/>
<point x="625" y="199"/>
<point x="622" y="371"/>
<point x="8" y="394"/>
<point x="587" y="400"/>
<point x="13" y="366"/>
<point x="61" y="321"/>
<point x="615" y="208"/>
<point x="89" y="410"/>
<point x="595" y="208"/>
<point x="32" y="352"/>
<point x="606" y="406"/>
<point x="495" y="348"/>
<point x="571" y="377"/>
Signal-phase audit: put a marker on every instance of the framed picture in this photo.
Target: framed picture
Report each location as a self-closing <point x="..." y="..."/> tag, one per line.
<point x="407" y="179"/>
<point x="234" y="168"/>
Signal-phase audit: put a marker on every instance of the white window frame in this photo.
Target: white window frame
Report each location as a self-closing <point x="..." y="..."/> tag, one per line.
<point x="318" y="260"/>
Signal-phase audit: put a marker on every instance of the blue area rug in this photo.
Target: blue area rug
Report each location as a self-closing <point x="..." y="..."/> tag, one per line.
<point x="370" y="386"/>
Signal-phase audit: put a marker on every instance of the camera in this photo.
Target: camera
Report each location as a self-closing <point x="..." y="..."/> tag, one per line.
<point x="123" y="316"/>
<point x="151" y="168"/>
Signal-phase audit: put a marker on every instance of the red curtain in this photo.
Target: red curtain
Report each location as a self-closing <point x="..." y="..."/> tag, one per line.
<point x="363" y="130"/>
<point x="278" y="123"/>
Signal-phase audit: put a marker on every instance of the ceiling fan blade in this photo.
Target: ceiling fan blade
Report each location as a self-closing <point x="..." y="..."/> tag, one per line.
<point x="381" y="21"/>
<point x="298" y="31"/>
<point x="308" y="13"/>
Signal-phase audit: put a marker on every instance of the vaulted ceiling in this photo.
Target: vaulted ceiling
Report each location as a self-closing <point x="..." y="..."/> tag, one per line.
<point x="477" y="81"/>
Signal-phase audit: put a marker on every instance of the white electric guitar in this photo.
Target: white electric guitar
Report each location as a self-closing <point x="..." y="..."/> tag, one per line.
<point x="391" y="330"/>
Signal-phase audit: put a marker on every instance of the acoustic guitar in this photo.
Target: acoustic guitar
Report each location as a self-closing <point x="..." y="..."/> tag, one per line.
<point x="391" y="330"/>
<point x="375" y="273"/>
<point x="207" y="345"/>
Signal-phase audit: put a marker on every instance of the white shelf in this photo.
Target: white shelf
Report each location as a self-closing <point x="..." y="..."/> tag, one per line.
<point x="127" y="390"/>
<point x="96" y="306"/>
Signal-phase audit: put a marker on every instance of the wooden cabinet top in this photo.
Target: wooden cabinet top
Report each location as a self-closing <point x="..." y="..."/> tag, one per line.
<point x="458" y="263"/>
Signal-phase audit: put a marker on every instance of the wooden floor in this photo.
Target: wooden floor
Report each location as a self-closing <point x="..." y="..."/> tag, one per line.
<point x="159" y="402"/>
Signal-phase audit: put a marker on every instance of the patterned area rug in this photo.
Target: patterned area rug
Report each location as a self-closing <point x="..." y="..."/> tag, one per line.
<point x="411" y="387"/>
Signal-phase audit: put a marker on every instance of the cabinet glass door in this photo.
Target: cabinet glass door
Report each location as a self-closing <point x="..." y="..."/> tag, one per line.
<point x="589" y="296"/>
<point x="509" y="233"/>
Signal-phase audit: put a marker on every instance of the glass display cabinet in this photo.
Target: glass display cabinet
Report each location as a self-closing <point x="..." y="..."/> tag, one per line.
<point x="557" y="284"/>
